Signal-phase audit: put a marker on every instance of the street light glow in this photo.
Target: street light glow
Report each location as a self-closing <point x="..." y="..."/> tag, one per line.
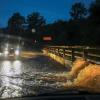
<point x="33" y="30"/>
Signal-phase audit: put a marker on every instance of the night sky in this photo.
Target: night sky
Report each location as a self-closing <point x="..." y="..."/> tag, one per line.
<point x="52" y="10"/>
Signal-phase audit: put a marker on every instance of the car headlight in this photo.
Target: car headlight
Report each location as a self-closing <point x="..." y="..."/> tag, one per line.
<point x="6" y="52"/>
<point x="16" y="52"/>
<point x="0" y="54"/>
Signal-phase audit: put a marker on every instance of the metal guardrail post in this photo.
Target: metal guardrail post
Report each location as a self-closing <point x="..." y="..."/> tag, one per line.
<point x="73" y="55"/>
<point x="58" y="52"/>
<point x="85" y="54"/>
<point x="64" y="52"/>
<point x="64" y="56"/>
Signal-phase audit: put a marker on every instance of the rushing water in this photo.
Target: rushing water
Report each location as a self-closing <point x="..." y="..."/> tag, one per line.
<point x="30" y="77"/>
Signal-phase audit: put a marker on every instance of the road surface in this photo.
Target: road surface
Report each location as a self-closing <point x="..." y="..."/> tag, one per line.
<point x="32" y="74"/>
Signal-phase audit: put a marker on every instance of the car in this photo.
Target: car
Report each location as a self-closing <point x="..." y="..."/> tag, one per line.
<point x="8" y="50"/>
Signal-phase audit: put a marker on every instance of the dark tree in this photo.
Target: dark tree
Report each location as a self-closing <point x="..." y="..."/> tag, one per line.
<point x="95" y="22"/>
<point x="95" y="11"/>
<point x="15" y="24"/>
<point x="35" y="24"/>
<point x="58" y="32"/>
<point x="78" y="11"/>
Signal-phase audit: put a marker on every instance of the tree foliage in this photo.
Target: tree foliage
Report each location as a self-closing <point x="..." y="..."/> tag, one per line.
<point x="95" y="11"/>
<point x="78" y="11"/>
<point x="15" y="24"/>
<point x="79" y="30"/>
<point x="35" y="21"/>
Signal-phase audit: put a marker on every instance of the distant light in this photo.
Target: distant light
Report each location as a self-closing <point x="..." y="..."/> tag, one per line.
<point x="33" y="30"/>
<point x="34" y="41"/>
<point x="47" y="38"/>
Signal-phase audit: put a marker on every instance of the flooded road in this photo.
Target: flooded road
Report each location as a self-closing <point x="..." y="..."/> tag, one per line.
<point x="30" y="76"/>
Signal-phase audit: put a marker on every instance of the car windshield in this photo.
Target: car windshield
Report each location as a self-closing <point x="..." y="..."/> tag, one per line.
<point x="48" y="46"/>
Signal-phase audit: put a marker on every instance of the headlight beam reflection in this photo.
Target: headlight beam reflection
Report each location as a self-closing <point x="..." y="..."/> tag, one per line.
<point x="10" y="71"/>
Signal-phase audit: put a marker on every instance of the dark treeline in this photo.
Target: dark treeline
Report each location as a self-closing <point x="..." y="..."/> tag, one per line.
<point x="83" y="28"/>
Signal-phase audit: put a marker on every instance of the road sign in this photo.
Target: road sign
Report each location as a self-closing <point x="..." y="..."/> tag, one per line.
<point x="47" y="38"/>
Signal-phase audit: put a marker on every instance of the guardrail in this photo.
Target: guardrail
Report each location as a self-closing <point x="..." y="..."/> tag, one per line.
<point x="73" y="52"/>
